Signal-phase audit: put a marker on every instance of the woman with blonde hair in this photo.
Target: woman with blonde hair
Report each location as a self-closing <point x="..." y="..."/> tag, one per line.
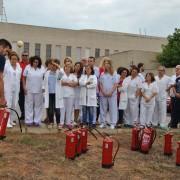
<point x="108" y="93"/>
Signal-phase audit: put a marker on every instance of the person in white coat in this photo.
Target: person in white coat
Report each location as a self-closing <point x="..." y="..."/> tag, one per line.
<point x="108" y="94"/>
<point x="78" y="69"/>
<point x="161" y="99"/>
<point x="68" y="82"/>
<point x="53" y="95"/>
<point x="12" y="75"/>
<point x="122" y="95"/>
<point x="149" y="91"/>
<point x="132" y="84"/>
<point x="88" y="99"/>
<point x="33" y="88"/>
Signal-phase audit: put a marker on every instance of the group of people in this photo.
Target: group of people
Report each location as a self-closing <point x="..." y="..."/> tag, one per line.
<point x="84" y="93"/>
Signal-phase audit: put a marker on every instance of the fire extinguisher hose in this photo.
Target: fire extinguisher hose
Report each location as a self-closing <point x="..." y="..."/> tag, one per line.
<point x="155" y="135"/>
<point x="89" y="130"/>
<point x="17" y="117"/>
<point x="117" y="149"/>
<point x="99" y="132"/>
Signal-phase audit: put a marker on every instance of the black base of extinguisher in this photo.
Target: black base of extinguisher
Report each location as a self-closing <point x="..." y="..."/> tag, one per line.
<point x="2" y="137"/>
<point x="168" y="154"/>
<point x="78" y="154"/>
<point x="107" y="166"/>
<point x="84" y="151"/>
<point x="144" y="152"/>
<point x="71" y="158"/>
<point x="133" y="149"/>
<point x="177" y="164"/>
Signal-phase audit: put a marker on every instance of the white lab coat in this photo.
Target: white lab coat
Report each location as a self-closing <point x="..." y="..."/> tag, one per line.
<point x="132" y="111"/>
<point x="12" y="83"/>
<point x="147" y="108"/>
<point x="123" y="98"/>
<point x="34" y="96"/>
<point x="88" y="93"/>
<point x="58" y="93"/>
<point x="161" y="104"/>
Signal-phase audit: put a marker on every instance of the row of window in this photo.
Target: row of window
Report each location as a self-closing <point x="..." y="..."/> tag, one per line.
<point x="68" y="51"/>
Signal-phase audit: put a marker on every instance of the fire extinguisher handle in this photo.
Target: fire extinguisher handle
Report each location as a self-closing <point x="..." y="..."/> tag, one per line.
<point x="117" y="149"/>
<point x="17" y="117"/>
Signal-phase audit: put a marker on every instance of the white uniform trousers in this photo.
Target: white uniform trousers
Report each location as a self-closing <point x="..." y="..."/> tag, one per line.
<point x="33" y="108"/>
<point x="160" y="113"/>
<point x="132" y="111"/>
<point x="66" y="111"/>
<point x="111" y="103"/>
<point x="11" y="104"/>
<point x="146" y="113"/>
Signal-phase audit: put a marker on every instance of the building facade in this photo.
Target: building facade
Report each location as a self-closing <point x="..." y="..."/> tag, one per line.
<point x="58" y="43"/>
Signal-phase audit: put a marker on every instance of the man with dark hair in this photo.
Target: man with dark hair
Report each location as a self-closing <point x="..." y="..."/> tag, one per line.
<point x="4" y="46"/>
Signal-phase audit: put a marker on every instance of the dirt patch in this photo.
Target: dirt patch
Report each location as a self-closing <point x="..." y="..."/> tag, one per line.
<point x="41" y="156"/>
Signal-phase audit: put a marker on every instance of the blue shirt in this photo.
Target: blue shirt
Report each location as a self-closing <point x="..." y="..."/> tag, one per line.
<point x="52" y="82"/>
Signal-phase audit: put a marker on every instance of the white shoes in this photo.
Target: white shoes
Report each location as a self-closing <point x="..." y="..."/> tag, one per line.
<point x="112" y="127"/>
<point x="13" y="123"/>
<point x="102" y="126"/>
<point x="9" y="125"/>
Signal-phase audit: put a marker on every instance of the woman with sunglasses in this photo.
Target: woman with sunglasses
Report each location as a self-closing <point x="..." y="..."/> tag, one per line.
<point x="33" y="84"/>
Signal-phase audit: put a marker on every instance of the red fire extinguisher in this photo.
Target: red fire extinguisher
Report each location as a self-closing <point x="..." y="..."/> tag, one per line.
<point x="135" y="138"/>
<point x="168" y="144"/>
<point x="84" y="137"/>
<point x="70" y="147"/>
<point x="153" y="135"/>
<point x="178" y="154"/>
<point x="4" y="116"/>
<point x="107" y="152"/>
<point x="78" y="140"/>
<point x="145" y="140"/>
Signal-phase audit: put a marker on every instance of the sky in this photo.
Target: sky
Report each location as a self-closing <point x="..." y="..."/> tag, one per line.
<point x="150" y="17"/>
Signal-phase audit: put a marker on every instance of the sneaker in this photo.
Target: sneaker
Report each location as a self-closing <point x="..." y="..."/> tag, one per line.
<point x="60" y="126"/>
<point x="112" y="127"/>
<point x="36" y="125"/>
<point x="13" y="123"/>
<point x="102" y="126"/>
<point x="9" y="125"/>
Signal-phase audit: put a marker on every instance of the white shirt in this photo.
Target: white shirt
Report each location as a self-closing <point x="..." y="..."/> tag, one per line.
<point x="68" y="91"/>
<point x="148" y="91"/>
<point x="162" y="84"/>
<point x="132" y="86"/>
<point x="34" y="79"/>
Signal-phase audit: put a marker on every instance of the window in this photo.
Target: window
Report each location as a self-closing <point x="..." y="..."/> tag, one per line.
<point x="116" y="51"/>
<point x="58" y="52"/>
<point x="14" y="46"/>
<point x="26" y="47"/>
<point x="106" y="52"/>
<point x="79" y="53"/>
<point x="48" y="51"/>
<point x="87" y="52"/>
<point x="97" y="52"/>
<point x="68" y="51"/>
<point x="37" y="49"/>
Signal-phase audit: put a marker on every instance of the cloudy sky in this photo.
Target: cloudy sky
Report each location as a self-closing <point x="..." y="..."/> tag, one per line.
<point x="153" y="17"/>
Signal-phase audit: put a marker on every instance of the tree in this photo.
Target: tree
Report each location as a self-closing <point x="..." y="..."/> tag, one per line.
<point x="170" y="55"/>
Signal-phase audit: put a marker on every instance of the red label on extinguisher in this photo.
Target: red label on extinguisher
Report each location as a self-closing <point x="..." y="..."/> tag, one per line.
<point x="72" y="140"/>
<point x="83" y="133"/>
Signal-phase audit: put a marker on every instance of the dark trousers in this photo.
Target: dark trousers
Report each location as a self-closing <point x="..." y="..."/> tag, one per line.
<point x="120" y="118"/>
<point x="21" y="100"/>
<point x="175" y="115"/>
<point x="52" y="110"/>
